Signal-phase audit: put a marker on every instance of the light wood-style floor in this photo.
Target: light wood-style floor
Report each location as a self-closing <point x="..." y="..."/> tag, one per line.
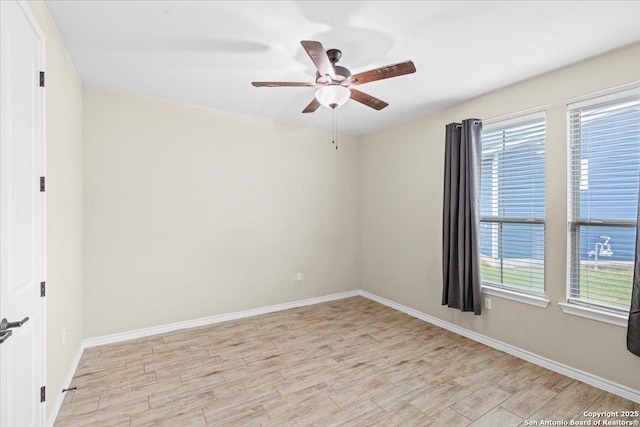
<point x="350" y="362"/>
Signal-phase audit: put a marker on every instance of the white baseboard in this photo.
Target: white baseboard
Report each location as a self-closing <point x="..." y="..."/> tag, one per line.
<point x="601" y="383"/>
<point x="57" y="404"/>
<point x="140" y="333"/>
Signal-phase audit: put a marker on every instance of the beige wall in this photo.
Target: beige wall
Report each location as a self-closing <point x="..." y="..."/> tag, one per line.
<point x="401" y="219"/>
<point x="191" y="212"/>
<point x="64" y="206"/>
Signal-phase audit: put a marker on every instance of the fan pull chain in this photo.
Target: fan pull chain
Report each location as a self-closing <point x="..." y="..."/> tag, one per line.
<point x="335" y="128"/>
<point x="334" y="134"/>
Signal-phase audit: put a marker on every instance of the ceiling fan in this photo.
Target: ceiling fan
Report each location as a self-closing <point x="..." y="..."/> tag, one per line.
<point x="336" y="83"/>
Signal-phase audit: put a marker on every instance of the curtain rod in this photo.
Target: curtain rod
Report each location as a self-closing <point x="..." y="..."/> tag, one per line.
<point x="475" y="123"/>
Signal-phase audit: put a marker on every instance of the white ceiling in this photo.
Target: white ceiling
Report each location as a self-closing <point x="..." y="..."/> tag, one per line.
<point x="207" y="53"/>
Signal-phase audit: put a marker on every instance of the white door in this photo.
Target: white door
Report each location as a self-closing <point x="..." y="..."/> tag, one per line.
<point x="21" y="218"/>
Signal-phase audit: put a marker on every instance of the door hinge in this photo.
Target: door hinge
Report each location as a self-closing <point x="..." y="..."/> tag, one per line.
<point x="41" y="78"/>
<point x="42" y="183"/>
<point x="42" y="289"/>
<point x="43" y="394"/>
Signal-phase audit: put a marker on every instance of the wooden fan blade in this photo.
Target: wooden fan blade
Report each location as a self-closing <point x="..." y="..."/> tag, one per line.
<point x="318" y="55"/>
<point x="282" y="84"/>
<point x="368" y="100"/>
<point x="389" y="71"/>
<point x="313" y="106"/>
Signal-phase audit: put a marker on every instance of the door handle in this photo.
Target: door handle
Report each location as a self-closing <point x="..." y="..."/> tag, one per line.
<point x="5" y="324"/>
<point x="4" y="335"/>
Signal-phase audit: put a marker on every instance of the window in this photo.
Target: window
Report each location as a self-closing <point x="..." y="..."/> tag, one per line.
<point x="512" y="205"/>
<point x="604" y="156"/>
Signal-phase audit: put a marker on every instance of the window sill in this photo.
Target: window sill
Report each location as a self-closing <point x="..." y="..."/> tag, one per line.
<point x="595" y="314"/>
<point x="538" y="301"/>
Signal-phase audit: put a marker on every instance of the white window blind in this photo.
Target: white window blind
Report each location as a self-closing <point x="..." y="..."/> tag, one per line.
<point x="512" y="204"/>
<point x="604" y="169"/>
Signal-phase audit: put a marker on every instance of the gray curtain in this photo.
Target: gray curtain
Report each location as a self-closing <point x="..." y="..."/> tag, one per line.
<point x="633" y="330"/>
<point x="460" y="250"/>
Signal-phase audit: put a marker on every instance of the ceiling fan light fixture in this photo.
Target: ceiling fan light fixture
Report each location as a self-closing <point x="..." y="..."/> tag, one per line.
<point x="333" y="96"/>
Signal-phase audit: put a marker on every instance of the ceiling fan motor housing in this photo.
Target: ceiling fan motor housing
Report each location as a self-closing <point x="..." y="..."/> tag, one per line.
<point x="342" y="74"/>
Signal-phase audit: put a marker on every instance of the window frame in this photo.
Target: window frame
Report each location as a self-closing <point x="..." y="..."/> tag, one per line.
<point x="573" y="305"/>
<point x="505" y="290"/>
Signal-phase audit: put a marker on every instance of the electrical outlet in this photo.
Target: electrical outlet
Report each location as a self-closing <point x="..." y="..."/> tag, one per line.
<point x="487" y="303"/>
<point x="299" y="277"/>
